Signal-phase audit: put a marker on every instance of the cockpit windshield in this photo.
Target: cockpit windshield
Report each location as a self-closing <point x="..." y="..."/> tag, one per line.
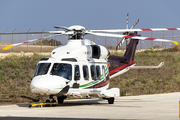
<point x="62" y="69"/>
<point x="42" y="69"/>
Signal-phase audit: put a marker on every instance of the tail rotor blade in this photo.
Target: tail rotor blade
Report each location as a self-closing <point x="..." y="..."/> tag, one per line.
<point x="127" y="21"/>
<point x="120" y="43"/>
<point x="135" y="24"/>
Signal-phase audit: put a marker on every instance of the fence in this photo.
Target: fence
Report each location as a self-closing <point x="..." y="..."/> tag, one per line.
<point x="108" y="42"/>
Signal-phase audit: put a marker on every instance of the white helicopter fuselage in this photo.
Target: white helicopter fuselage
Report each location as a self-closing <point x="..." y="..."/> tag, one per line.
<point x="78" y="68"/>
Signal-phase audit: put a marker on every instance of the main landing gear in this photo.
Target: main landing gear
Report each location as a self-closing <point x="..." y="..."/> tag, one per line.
<point x="60" y="99"/>
<point x="110" y="100"/>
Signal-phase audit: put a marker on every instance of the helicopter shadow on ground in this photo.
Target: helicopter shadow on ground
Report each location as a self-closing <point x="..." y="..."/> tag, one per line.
<point x="133" y="100"/>
<point x="27" y="104"/>
<point x="30" y="98"/>
<point x="89" y="102"/>
<point x="68" y="103"/>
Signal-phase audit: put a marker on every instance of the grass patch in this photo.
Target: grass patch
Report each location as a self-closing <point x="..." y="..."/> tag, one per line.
<point x="14" y="72"/>
<point x="152" y="81"/>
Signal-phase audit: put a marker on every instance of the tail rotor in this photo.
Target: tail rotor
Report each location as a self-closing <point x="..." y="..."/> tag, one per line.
<point x="126" y="33"/>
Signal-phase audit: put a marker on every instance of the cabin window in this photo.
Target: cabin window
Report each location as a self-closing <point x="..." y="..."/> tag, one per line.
<point x="98" y="72"/>
<point x="63" y="70"/>
<point x="76" y="72"/>
<point x="103" y="72"/>
<point x="85" y="72"/>
<point x="42" y="69"/>
<point x="93" y="72"/>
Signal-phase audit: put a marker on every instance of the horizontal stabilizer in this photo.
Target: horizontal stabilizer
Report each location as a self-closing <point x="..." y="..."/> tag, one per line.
<point x="139" y="67"/>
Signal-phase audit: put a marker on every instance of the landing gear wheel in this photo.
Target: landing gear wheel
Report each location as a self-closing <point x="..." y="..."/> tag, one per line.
<point x="61" y="99"/>
<point x="110" y="100"/>
<point x="54" y="101"/>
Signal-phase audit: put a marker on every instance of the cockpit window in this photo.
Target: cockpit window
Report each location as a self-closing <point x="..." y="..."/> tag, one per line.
<point x="42" y="69"/>
<point x="62" y="69"/>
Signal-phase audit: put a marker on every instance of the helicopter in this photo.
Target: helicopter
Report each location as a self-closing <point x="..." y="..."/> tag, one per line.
<point x="82" y="67"/>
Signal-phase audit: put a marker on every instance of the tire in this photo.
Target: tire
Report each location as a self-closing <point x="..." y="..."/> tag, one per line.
<point x="53" y="101"/>
<point x="61" y="99"/>
<point x="110" y="100"/>
<point x="47" y="101"/>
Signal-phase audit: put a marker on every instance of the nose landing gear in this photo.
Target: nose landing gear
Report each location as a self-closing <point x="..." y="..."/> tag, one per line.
<point x="47" y="103"/>
<point x="50" y="102"/>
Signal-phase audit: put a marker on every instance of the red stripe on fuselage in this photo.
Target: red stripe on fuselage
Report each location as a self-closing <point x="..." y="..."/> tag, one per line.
<point x="121" y="67"/>
<point x="103" y="84"/>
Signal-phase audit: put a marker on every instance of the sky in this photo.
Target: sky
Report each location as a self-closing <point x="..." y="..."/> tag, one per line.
<point x="92" y="14"/>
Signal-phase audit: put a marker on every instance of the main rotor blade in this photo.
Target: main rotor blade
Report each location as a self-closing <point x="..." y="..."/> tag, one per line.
<point x="131" y="30"/>
<point x="55" y="32"/>
<point x="61" y="27"/>
<point x="24" y="33"/>
<point x="29" y="41"/>
<point x="131" y="37"/>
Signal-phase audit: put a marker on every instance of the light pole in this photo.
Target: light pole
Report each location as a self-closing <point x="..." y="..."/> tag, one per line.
<point x="27" y="38"/>
<point x="151" y="37"/>
<point x="55" y="38"/>
<point x="41" y="40"/>
<point x="106" y="40"/>
<point x="141" y="40"/>
<point x="12" y="37"/>
<point x="94" y="36"/>
<point x="0" y="29"/>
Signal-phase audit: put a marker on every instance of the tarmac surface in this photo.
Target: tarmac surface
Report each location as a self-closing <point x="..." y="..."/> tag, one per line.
<point x="158" y="106"/>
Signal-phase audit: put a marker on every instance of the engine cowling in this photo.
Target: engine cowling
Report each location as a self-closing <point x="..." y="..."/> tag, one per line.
<point x="99" y="52"/>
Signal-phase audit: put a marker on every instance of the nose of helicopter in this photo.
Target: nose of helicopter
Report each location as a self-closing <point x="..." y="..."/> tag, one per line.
<point x="47" y="84"/>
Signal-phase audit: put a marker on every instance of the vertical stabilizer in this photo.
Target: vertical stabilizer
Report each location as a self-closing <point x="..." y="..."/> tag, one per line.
<point x="131" y="49"/>
<point x="118" y="64"/>
<point x="130" y="52"/>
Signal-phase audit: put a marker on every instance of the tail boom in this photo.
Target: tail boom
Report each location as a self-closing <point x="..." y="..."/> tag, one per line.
<point x="123" y="67"/>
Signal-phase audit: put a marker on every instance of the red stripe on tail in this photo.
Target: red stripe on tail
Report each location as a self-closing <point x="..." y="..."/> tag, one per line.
<point x="121" y="67"/>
